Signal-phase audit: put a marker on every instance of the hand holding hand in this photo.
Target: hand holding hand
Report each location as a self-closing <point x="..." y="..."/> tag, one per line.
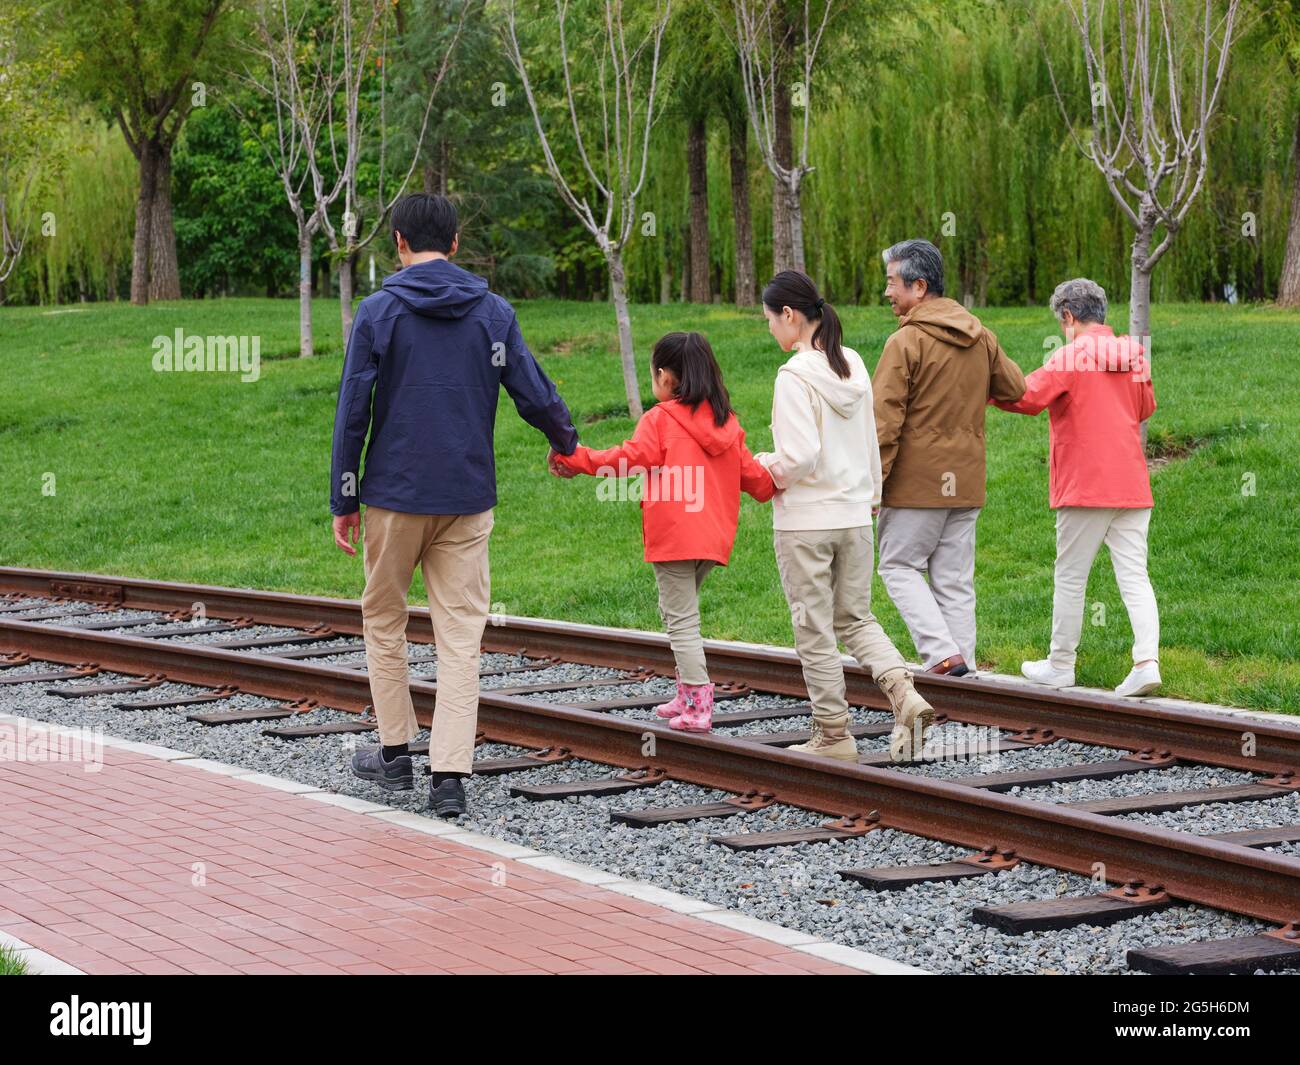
<point x="347" y="531"/>
<point x="557" y="468"/>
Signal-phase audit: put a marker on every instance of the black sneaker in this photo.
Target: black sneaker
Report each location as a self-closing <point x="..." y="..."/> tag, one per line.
<point x="368" y="763"/>
<point x="448" y="798"/>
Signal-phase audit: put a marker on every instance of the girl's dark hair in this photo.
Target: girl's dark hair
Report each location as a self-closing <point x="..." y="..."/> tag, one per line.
<point x="795" y="290"/>
<point x="688" y="357"/>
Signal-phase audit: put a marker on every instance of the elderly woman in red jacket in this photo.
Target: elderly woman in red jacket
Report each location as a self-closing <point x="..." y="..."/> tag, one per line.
<point x="1097" y="390"/>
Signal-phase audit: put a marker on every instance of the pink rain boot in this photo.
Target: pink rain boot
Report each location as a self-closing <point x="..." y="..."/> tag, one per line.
<point x="678" y="703"/>
<point x="698" y="715"/>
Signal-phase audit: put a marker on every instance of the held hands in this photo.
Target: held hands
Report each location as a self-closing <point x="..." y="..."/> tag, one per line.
<point x="557" y="468"/>
<point x="347" y="531"/>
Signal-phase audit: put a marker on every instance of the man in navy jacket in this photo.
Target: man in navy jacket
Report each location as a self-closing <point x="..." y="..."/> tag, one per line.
<point x="428" y="355"/>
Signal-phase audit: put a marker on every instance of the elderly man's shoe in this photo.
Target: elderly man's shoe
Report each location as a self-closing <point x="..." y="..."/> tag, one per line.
<point x="952" y="666"/>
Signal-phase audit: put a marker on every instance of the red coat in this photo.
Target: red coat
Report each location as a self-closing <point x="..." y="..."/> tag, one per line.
<point x="696" y="472"/>
<point x="1098" y="391"/>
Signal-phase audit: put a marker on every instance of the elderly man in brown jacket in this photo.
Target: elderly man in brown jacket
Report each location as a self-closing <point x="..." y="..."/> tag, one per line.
<point x="932" y="386"/>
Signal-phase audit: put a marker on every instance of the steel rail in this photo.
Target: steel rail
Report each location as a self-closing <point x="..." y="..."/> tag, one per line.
<point x="1224" y="740"/>
<point x="1191" y="868"/>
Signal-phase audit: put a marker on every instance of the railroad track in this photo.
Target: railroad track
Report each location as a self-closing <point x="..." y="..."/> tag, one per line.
<point x="72" y="623"/>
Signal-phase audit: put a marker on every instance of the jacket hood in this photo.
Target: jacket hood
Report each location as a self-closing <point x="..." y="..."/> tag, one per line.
<point x="945" y="320"/>
<point x="1097" y="347"/>
<point x="844" y="396"/>
<point x="436" y="289"/>
<point x="713" y="438"/>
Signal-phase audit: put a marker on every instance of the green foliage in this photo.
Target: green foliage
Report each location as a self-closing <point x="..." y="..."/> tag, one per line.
<point x="936" y="119"/>
<point x="137" y="57"/>
<point x="233" y="231"/>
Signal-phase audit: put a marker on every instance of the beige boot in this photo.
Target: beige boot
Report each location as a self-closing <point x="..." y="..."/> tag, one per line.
<point x="830" y="740"/>
<point x="913" y="716"/>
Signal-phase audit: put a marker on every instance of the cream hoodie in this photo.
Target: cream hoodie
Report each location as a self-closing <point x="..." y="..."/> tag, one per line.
<point x="826" y="462"/>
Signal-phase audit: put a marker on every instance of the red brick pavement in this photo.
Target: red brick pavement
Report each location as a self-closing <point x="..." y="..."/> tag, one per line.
<point x="156" y="866"/>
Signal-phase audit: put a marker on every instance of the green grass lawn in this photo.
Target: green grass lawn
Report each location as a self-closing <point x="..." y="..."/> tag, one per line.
<point x="199" y="477"/>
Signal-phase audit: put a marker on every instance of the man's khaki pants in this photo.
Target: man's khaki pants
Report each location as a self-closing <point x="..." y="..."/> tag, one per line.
<point x="938" y="543"/>
<point x="452" y="551"/>
<point x="826" y="575"/>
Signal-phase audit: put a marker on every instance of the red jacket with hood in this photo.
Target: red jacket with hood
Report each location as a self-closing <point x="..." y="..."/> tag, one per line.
<point x="1098" y="391"/>
<point x="696" y="470"/>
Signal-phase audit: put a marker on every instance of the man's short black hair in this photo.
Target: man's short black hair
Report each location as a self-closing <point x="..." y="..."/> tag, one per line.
<point x="427" y="222"/>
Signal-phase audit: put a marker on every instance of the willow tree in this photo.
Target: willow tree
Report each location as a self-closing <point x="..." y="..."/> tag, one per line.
<point x="1154" y="80"/>
<point x="614" y="147"/>
<point x="30" y="67"/>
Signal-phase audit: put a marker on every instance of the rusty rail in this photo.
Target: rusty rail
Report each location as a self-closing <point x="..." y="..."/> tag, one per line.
<point x="1216" y="739"/>
<point x="1192" y="868"/>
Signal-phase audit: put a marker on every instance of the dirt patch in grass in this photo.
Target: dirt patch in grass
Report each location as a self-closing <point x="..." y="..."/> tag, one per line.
<point x="610" y="410"/>
<point x="1166" y="446"/>
<point x="577" y="345"/>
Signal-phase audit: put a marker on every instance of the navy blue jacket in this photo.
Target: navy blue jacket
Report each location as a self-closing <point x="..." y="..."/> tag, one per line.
<point x="435" y="347"/>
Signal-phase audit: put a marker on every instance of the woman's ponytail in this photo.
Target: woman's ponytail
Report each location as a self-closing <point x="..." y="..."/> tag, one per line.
<point x="793" y="289"/>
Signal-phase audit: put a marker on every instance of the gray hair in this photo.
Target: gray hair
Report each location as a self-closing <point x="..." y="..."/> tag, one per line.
<point x="1084" y="299"/>
<point x="918" y="260"/>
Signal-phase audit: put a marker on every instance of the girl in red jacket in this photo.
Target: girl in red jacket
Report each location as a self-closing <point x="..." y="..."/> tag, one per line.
<point x="692" y="450"/>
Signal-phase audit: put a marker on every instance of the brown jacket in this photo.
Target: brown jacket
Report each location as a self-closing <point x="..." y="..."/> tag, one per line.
<point x="932" y="386"/>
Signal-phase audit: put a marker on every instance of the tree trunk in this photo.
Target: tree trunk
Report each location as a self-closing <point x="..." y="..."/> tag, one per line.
<point x="794" y="209"/>
<point x="697" y="176"/>
<point x="1288" y="288"/>
<point x="164" y="271"/>
<point x="304" y="293"/>
<point x="435" y="169"/>
<point x="345" y="295"/>
<point x="685" y="294"/>
<point x="1139" y="295"/>
<point x="618" y="290"/>
<point x="143" y="224"/>
<point x="739" y="135"/>
<point x="783" y="146"/>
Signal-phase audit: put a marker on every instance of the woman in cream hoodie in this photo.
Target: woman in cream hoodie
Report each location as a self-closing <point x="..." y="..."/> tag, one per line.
<point x="826" y="466"/>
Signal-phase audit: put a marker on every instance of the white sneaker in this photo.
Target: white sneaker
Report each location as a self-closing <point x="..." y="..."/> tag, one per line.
<point x="1042" y="672"/>
<point x="1142" y="680"/>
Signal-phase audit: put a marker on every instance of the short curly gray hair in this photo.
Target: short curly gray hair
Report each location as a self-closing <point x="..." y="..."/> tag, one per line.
<point x="1084" y="299"/>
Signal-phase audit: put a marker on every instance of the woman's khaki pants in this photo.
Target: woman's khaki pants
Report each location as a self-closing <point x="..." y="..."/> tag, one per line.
<point x="826" y="575"/>
<point x="452" y="552"/>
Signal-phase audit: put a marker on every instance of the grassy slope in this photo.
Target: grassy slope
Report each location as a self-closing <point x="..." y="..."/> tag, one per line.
<point x="199" y="477"/>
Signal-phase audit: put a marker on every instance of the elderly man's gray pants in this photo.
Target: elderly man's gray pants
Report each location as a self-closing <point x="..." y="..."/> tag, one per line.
<point x="939" y="543"/>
